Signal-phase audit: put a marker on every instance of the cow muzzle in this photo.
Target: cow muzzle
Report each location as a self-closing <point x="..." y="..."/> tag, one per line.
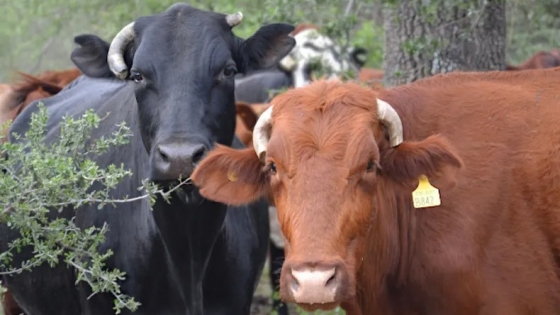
<point x="315" y="285"/>
<point x="171" y="161"/>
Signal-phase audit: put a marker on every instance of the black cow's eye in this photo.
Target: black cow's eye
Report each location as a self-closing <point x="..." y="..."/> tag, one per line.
<point x="230" y="71"/>
<point x="272" y="168"/>
<point x="136" y="76"/>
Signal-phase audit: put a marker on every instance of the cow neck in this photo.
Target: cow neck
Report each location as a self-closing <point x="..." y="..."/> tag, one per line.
<point x="386" y="256"/>
<point x="189" y="231"/>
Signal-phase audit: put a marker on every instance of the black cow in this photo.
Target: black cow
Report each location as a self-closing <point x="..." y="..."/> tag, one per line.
<point x="255" y="87"/>
<point x="170" y="77"/>
<point x="261" y="86"/>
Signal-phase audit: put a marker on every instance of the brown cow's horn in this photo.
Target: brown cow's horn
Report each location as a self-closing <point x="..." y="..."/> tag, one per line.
<point x="234" y="19"/>
<point x="260" y="136"/>
<point x="115" y="57"/>
<point x="387" y="114"/>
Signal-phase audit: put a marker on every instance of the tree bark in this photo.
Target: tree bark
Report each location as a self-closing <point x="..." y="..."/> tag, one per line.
<point x="428" y="37"/>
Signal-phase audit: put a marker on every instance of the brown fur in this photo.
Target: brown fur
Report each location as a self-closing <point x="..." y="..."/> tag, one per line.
<point x="10" y="306"/>
<point x="13" y="99"/>
<point x="372" y="77"/>
<point x="246" y="116"/>
<point x="540" y="60"/>
<point x="302" y="27"/>
<point x="487" y="140"/>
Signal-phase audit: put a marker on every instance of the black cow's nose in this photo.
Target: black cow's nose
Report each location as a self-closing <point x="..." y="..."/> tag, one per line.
<point x="173" y="160"/>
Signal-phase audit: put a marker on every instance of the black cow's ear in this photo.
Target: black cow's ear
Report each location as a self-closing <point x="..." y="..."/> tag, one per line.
<point x="359" y="56"/>
<point x="91" y="56"/>
<point x="267" y="46"/>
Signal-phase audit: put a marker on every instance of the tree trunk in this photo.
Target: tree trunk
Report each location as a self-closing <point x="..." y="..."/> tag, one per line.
<point x="428" y="37"/>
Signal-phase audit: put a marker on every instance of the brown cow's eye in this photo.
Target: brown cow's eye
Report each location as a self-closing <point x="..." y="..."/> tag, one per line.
<point x="370" y="166"/>
<point x="272" y="168"/>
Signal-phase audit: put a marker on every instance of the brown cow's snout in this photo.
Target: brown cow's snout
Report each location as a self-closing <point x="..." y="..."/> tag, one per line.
<point x="314" y="283"/>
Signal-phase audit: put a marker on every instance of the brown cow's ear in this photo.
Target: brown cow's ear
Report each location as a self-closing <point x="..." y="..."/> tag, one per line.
<point x="247" y="114"/>
<point x="233" y="177"/>
<point x="411" y="159"/>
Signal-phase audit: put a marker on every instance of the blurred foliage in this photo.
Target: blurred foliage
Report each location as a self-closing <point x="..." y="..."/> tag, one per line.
<point x="37" y="35"/>
<point x="532" y="26"/>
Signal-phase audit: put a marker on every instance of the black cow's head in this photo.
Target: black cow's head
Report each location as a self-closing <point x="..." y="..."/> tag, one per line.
<point x="182" y="63"/>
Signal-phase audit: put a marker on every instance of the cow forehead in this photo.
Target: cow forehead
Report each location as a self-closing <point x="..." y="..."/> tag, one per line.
<point x="314" y="46"/>
<point x="184" y="27"/>
<point x="340" y="133"/>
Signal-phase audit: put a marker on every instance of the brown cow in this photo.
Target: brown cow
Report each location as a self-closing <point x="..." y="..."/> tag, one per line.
<point x="13" y="99"/>
<point x="341" y="162"/>
<point x="540" y="60"/>
<point x="10" y="306"/>
<point x="246" y="118"/>
<point x="372" y="77"/>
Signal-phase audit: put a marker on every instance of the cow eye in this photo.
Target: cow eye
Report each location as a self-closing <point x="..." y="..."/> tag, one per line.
<point x="370" y="166"/>
<point x="230" y="71"/>
<point x="136" y="76"/>
<point x="273" y="168"/>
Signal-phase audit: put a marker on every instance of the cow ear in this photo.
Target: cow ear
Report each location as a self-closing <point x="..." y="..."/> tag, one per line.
<point x="267" y="46"/>
<point x="411" y="159"/>
<point x="229" y="176"/>
<point x="248" y="116"/>
<point x="91" y="56"/>
<point x="359" y="56"/>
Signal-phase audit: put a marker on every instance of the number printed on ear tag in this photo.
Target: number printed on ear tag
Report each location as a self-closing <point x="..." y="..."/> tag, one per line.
<point x="425" y="195"/>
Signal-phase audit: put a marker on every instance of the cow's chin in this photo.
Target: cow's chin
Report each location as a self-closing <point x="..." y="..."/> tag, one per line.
<point x="189" y="194"/>
<point x="319" y="306"/>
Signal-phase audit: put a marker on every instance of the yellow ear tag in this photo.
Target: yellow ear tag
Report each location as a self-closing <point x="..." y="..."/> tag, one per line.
<point x="232" y="176"/>
<point x="425" y="194"/>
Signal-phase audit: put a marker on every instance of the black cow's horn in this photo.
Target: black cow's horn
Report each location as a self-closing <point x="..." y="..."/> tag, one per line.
<point x="115" y="57"/>
<point x="260" y="134"/>
<point x="234" y="19"/>
<point x="387" y="114"/>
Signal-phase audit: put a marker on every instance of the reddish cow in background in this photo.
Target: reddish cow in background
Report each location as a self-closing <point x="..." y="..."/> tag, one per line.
<point x="372" y="77"/>
<point x="436" y="197"/>
<point x="540" y="60"/>
<point x="13" y="99"/>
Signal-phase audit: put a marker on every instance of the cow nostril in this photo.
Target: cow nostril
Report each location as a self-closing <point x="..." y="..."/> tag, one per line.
<point x="331" y="279"/>
<point x="294" y="285"/>
<point x="197" y="156"/>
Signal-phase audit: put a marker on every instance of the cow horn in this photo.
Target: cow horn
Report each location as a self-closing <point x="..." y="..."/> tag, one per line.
<point x="234" y="19"/>
<point x="387" y="114"/>
<point x="115" y="56"/>
<point x="260" y="136"/>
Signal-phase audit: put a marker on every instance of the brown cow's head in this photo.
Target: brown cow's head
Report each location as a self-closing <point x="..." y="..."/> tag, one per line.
<point x="332" y="157"/>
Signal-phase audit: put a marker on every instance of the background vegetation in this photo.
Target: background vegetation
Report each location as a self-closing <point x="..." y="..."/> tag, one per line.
<point x="36" y="35"/>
